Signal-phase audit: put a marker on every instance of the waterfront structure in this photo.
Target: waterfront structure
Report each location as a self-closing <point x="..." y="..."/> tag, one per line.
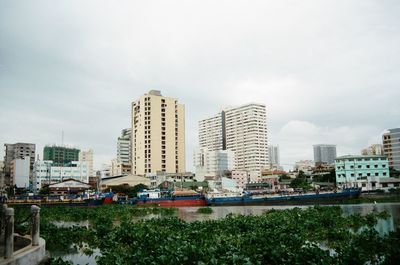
<point x="273" y="155"/>
<point x="87" y="156"/>
<point x="374" y="149"/>
<point x="158" y="134"/>
<point x="108" y="183"/>
<point x="324" y="154"/>
<point x="391" y="147"/>
<point x="212" y="163"/>
<point x="20" y="172"/>
<point x="47" y="172"/>
<point x="212" y="133"/>
<point x="160" y="177"/>
<point x="361" y="171"/>
<point x="60" y="155"/>
<point x="17" y="151"/>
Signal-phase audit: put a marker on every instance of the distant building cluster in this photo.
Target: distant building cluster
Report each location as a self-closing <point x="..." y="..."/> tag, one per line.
<point x="232" y="154"/>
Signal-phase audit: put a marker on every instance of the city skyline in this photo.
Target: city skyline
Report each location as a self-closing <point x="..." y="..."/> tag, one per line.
<point x="77" y="69"/>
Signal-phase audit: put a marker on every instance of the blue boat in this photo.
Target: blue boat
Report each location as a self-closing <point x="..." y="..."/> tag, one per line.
<point x="231" y="199"/>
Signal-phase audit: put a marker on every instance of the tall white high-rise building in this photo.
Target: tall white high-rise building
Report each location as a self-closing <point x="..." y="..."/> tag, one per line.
<point x="212" y="132"/>
<point x="324" y="154"/>
<point x="246" y="135"/>
<point x="158" y="134"/>
<point x="273" y="155"/>
<point x="124" y="146"/>
<point x="212" y="163"/>
<point x="242" y="130"/>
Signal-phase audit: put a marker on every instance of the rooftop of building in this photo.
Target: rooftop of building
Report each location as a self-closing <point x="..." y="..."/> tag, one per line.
<point x="325" y="145"/>
<point x="359" y="157"/>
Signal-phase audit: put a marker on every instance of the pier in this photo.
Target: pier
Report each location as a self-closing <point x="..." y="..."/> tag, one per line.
<point x="18" y="249"/>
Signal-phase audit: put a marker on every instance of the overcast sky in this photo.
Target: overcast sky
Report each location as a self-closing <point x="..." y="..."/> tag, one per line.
<point x="328" y="71"/>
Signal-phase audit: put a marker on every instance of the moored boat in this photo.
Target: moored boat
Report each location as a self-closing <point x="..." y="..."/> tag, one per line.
<point x="170" y="199"/>
<point x="220" y="199"/>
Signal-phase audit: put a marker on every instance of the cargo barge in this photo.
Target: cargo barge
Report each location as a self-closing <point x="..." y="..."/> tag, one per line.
<point x="231" y="199"/>
<point x="169" y="199"/>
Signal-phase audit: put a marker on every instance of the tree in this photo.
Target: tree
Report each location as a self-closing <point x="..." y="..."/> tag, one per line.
<point x="300" y="182"/>
<point x="394" y="173"/>
<point x="44" y="191"/>
<point x="283" y="177"/>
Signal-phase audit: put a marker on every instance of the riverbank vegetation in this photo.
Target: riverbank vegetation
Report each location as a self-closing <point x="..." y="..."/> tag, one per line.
<point x="315" y="235"/>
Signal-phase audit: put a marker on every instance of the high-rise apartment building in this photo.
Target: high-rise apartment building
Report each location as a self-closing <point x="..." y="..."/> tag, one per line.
<point x="242" y="130"/>
<point x="158" y="134"/>
<point x="246" y="135"/>
<point x="17" y="151"/>
<point x="324" y="154"/>
<point x="391" y="147"/>
<point x="60" y="155"/>
<point x="87" y="156"/>
<point x="273" y="155"/>
<point x="212" y="132"/>
<point x="124" y="146"/>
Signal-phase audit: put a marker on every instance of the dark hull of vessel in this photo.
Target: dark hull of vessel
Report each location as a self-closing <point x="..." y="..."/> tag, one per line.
<point x="301" y="199"/>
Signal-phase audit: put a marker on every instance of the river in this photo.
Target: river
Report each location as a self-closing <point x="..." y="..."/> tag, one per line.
<point x="190" y="214"/>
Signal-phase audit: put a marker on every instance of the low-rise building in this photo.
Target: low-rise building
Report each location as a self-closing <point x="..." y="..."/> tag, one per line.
<point x="304" y="165"/>
<point x="45" y="173"/>
<point x="20" y="172"/>
<point x="365" y="172"/>
<point x="160" y="177"/>
<point x="126" y="180"/>
<point x="241" y="177"/>
<point x="212" y="163"/>
<point x="374" y="149"/>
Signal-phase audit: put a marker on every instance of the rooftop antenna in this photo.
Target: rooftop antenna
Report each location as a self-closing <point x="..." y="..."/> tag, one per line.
<point x="62" y="137"/>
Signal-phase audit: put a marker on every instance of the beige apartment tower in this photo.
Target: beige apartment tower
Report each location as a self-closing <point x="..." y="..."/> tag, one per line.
<point x="158" y="134"/>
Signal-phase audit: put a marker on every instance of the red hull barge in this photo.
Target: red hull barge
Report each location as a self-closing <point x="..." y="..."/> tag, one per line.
<point x="175" y="199"/>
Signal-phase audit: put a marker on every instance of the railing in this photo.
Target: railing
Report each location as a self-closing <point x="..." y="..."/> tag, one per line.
<point x="7" y="228"/>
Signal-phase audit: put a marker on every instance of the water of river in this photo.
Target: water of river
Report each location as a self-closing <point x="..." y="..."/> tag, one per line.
<point x="190" y="214"/>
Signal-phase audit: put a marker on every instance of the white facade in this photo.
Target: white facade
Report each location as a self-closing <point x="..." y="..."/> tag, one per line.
<point x="273" y="155"/>
<point x="241" y="178"/>
<point x="87" y="156"/>
<point x="211" y="133"/>
<point x="304" y="165"/>
<point x="20" y="171"/>
<point x="116" y="167"/>
<point x="124" y="146"/>
<point x="45" y="173"/>
<point x="246" y="135"/>
<point x="212" y="163"/>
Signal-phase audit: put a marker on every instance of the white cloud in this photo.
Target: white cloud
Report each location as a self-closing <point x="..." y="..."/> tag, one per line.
<point x="327" y="71"/>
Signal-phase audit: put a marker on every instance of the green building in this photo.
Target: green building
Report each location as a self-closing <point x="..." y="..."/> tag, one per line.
<point x="60" y="155"/>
